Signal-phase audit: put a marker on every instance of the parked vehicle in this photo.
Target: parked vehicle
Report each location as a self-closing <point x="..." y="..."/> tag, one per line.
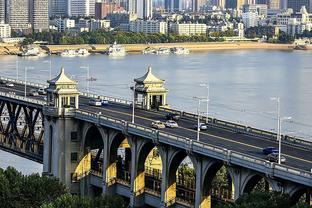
<point x="158" y="125"/>
<point x="173" y="116"/>
<point x="202" y="126"/>
<point x="273" y="157"/>
<point x="33" y="93"/>
<point x="269" y="150"/>
<point x="42" y="91"/>
<point x="95" y="102"/>
<point x="171" y="124"/>
<point x="9" y="84"/>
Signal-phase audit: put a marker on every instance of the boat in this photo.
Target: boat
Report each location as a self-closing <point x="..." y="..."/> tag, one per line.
<point x="33" y="51"/>
<point x="42" y="54"/>
<point x="92" y="79"/>
<point x="180" y="50"/>
<point x="68" y="53"/>
<point x="82" y="52"/>
<point x="164" y="51"/>
<point x="116" y="50"/>
<point x="149" y="50"/>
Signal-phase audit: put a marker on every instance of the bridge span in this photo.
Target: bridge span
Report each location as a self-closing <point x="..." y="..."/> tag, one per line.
<point x="78" y="143"/>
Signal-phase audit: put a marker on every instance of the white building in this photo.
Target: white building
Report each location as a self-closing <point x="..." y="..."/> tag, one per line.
<point x="64" y="24"/>
<point x="99" y="24"/>
<point x="240" y="29"/>
<point x="5" y="30"/>
<point x="148" y="26"/>
<point x="250" y="19"/>
<point x="189" y="29"/>
<point x="81" y="8"/>
<point x="145" y="9"/>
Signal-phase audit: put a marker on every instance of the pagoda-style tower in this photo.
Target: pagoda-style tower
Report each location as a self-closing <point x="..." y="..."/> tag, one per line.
<point x="62" y="92"/>
<point x="151" y="89"/>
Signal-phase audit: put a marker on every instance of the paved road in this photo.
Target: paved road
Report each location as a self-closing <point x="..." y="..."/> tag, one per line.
<point x="250" y="145"/>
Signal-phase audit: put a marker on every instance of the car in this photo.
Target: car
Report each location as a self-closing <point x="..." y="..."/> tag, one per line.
<point x="33" y="93"/>
<point x="269" y="150"/>
<point x="171" y="124"/>
<point x="42" y="91"/>
<point x="273" y="157"/>
<point x="173" y="116"/>
<point x="202" y="126"/>
<point x="158" y="125"/>
<point x="3" y="82"/>
<point x="9" y="84"/>
<point x="95" y="102"/>
<point x="104" y="102"/>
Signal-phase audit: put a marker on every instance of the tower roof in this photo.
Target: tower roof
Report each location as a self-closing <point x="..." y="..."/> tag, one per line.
<point x="61" y="79"/>
<point x="149" y="78"/>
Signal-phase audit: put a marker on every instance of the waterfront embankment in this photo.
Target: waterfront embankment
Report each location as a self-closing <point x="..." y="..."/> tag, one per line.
<point x="137" y="48"/>
<point x="193" y="47"/>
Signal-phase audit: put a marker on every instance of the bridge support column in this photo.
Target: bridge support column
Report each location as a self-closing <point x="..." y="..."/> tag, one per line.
<point x="137" y="174"/>
<point x="202" y="200"/>
<point x="168" y="187"/>
<point x="109" y="169"/>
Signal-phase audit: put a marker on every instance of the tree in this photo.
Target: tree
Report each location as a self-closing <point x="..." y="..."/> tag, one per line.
<point x="261" y="200"/>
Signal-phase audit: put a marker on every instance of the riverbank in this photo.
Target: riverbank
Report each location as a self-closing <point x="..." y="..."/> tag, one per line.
<point x="193" y="47"/>
<point x="137" y="48"/>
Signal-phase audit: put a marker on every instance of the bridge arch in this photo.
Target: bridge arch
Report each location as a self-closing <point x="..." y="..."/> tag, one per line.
<point x="300" y="194"/>
<point x="149" y="168"/>
<point x="258" y="182"/>
<point x="218" y="181"/>
<point x="181" y="168"/>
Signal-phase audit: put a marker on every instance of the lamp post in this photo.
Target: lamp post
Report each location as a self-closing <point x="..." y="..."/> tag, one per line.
<point x="208" y="99"/>
<point x="50" y="67"/>
<point x="88" y="76"/>
<point x="198" y="115"/>
<point x="133" y="103"/>
<point x="16" y="62"/>
<point x="25" y="76"/>
<point x="279" y="127"/>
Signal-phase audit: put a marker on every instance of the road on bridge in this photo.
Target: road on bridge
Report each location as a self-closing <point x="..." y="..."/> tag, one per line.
<point x="250" y="145"/>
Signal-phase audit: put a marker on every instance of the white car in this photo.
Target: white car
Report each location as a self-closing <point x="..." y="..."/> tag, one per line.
<point x="171" y="124"/>
<point x="42" y="91"/>
<point x="9" y="84"/>
<point x="95" y="102"/>
<point x="202" y="126"/>
<point x="104" y="102"/>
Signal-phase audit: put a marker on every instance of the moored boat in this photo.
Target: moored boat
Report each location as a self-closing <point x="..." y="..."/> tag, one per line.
<point x="116" y="50"/>
<point x="180" y="50"/>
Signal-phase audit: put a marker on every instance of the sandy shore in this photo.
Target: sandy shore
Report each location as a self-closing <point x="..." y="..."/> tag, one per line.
<point x="137" y="48"/>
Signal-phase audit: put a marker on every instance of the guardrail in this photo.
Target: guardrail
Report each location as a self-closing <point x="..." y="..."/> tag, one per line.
<point x="239" y="128"/>
<point x="21" y="98"/>
<point x="251" y="162"/>
<point x="290" y="140"/>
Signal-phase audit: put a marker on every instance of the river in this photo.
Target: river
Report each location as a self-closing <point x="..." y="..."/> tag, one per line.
<point x="241" y="83"/>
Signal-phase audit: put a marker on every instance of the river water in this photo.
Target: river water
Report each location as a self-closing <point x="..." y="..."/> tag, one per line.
<point x="241" y="83"/>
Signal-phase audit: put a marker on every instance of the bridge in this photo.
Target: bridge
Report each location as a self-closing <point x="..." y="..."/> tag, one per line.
<point x="79" y="144"/>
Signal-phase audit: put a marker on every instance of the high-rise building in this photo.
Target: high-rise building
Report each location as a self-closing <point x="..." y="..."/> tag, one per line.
<point x="91" y="8"/>
<point x="17" y="13"/>
<point x="145" y="9"/>
<point x="39" y="14"/>
<point x="240" y="3"/>
<point x="58" y="8"/>
<point x="101" y="10"/>
<point x="297" y="4"/>
<point x="79" y="8"/>
<point x="132" y="6"/>
<point x="172" y="5"/>
<point x="197" y="5"/>
<point x="2" y="11"/>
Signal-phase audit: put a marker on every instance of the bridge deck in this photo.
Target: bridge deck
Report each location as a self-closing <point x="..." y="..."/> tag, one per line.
<point x="297" y="157"/>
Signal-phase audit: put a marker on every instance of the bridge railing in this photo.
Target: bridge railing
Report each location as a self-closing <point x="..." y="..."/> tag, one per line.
<point x="200" y="147"/>
<point x="239" y="128"/>
<point x="28" y="100"/>
<point x="15" y="81"/>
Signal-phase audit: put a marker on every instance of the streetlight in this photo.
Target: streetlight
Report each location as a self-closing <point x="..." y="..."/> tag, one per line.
<point x="50" y="64"/>
<point x="88" y="76"/>
<point x="133" y="103"/>
<point x="208" y="99"/>
<point x="198" y="115"/>
<point x="26" y="68"/>
<point x="279" y="127"/>
<point x="16" y="67"/>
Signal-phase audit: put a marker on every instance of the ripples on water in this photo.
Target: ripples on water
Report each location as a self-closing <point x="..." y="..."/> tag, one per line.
<point x="241" y="81"/>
